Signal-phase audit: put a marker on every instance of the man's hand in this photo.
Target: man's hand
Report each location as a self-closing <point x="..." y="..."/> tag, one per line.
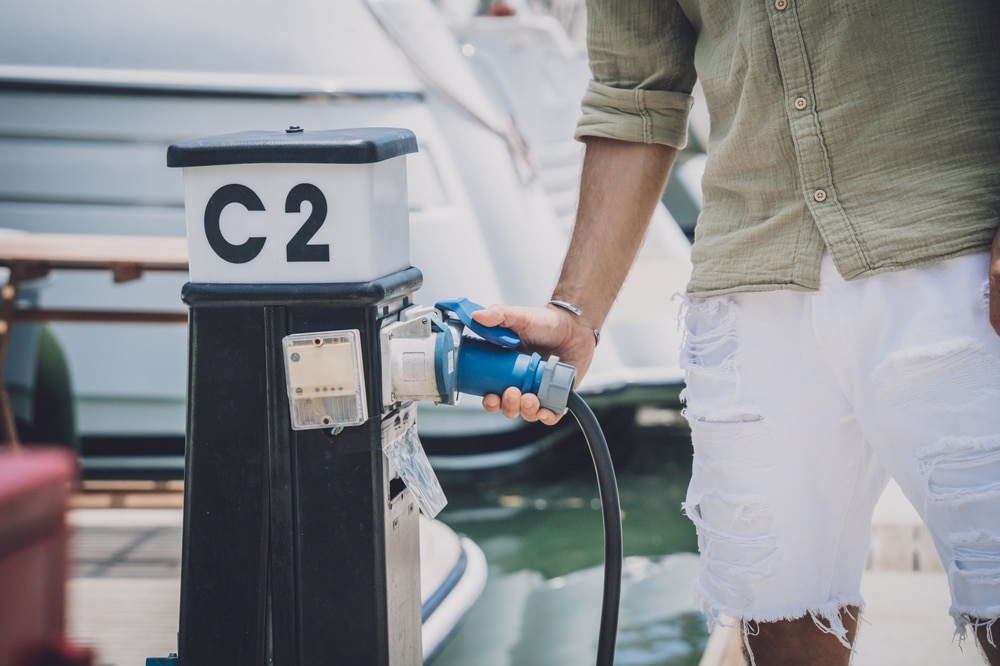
<point x="995" y="283"/>
<point x="547" y="331"/>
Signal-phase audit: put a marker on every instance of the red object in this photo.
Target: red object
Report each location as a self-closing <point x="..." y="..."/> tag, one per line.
<point x="35" y="484"/>
<point x="500" y="8"/>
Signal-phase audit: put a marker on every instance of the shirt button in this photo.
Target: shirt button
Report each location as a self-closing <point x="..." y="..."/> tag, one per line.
<point x="801" y="103"/>
<point x="819" y="196"/>
<point x="781" y="5"/>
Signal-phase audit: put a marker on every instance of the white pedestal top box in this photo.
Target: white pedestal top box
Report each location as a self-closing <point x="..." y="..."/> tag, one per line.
<point x="296" y="206"/>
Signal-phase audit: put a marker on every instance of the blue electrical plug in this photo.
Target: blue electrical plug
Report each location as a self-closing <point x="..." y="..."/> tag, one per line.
<point x="492" y="364"/>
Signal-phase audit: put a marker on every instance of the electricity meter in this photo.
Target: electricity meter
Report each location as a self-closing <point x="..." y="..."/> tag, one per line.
<point x="325" y="379"/>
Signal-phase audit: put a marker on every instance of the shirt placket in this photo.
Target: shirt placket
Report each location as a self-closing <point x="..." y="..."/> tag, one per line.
<point x="800" y="103"/>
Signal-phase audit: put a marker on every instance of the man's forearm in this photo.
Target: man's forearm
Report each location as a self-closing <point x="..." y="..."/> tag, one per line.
<point x="621" y="184"/>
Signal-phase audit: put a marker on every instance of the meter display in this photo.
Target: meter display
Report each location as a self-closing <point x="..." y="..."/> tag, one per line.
<point x="325" y="379"/>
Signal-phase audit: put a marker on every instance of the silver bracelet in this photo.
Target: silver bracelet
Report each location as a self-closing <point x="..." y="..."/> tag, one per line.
<point x="569" y="307"/>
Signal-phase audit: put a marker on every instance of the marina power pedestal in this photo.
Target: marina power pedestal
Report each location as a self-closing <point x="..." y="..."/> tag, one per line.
<point x="301" y="544"/>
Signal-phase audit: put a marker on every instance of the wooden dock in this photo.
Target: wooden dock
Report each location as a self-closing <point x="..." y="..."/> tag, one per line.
<point x="125" y="584"/>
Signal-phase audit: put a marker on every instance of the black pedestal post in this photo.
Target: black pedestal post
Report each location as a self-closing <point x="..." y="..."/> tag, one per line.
<point x="299" y="549"/>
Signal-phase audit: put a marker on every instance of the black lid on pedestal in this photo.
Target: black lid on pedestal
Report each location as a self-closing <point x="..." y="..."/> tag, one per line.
<point x="295" y="145"/>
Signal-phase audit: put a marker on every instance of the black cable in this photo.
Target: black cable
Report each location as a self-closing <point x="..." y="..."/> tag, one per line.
<point x="611" y="513"/>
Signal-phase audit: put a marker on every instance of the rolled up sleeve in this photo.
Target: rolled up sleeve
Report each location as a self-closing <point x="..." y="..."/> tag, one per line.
<point x="642" y="116"/>
<point x="641" y="55"/>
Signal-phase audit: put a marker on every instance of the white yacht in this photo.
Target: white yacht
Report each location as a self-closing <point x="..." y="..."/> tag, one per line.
<point x="92" y="95"/>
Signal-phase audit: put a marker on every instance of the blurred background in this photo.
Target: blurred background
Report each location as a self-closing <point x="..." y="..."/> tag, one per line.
<point x="91" y="96"/>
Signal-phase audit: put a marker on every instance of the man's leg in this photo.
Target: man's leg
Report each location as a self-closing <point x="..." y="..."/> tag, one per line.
<point x="796" y="642"/>
<point x="800" y="641"/>
<point x="990" y="648"/>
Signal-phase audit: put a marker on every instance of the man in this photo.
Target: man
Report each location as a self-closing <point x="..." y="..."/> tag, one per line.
<point x="843" y="319"/>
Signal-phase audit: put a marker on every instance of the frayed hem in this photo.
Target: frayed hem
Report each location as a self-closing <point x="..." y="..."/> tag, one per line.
<point x="965" y="619"/>
<point x="826" y="617"/>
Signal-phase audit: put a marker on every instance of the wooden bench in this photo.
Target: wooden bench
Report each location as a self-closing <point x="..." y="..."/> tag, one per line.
<point x="30" y="256"/>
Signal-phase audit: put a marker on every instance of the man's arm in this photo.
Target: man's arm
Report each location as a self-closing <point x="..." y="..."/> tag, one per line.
<point x="620" y="187"/>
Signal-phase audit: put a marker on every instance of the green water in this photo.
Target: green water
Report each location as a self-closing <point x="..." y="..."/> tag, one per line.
<point x="543" y="539"/>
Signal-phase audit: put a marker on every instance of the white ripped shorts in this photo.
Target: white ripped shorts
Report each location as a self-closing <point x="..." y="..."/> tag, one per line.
<point x="802" y="404"/>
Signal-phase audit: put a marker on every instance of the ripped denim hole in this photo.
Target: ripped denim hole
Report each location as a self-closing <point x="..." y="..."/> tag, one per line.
<point x="714" y="351"/>
<point x="975" y="585"/>
<point x="946" y="376"/>
<point x="746" y="519"/>
<point x="974" y="576"/>
<point x="730" y="438"/>
<point x="960" y="470"/>
<point x="745" y="414"/>
<point x="977" y="550"/>
<point x="738" y="547"/>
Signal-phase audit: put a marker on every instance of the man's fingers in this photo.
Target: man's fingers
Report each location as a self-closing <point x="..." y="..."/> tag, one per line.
<point x="513" y="404"/>
<point x="548" y="417"/>
<point x="491" y="403"/>
<point x="503" y="315"/>
<point x="530" y="407"/>
<point x="491" y="316"/>
<point x="510" y="403"/>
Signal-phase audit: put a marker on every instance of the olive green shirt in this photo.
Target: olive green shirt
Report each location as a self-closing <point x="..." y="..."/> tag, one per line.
<point x="866" y="128"/>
